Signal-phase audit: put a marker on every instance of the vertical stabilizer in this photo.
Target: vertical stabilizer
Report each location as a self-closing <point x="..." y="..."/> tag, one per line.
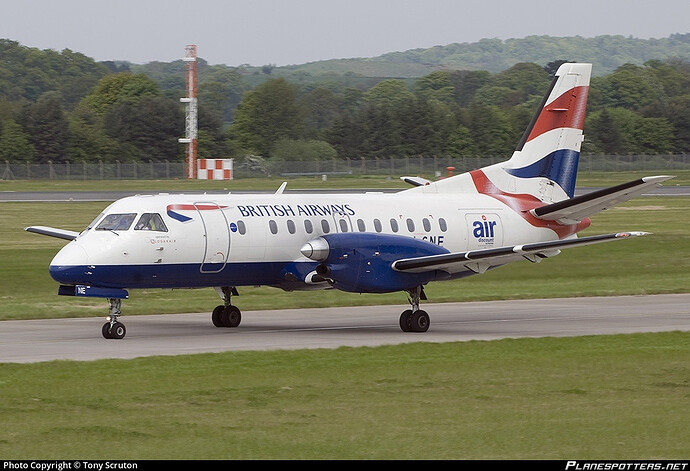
<point x="549" y="151"/>
<point x="544" y="164"/>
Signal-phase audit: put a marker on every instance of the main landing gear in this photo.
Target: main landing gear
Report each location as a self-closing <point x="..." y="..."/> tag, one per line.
<point x="113" y="329"/>
<point x="226" y="315"/>
<point x="415" y="320"/>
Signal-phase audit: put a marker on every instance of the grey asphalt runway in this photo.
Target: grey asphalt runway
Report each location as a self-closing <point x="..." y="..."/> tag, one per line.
<point x="177" y="334"/>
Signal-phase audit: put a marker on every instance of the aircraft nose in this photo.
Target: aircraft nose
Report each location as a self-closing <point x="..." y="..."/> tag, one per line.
<point x="316" y="249"/>
<point x="68" y="264"/>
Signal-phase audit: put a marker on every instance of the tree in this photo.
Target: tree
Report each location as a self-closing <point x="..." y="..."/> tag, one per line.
<point x="147" y="129"/>
<point x="267" y="114"/>
<point x="436" y="86"/>
<point x="14" y="143"/>
<point x="490" y="130"/>
<point x="46" y="124"/>
<point x="118" y="88"/>
<point x="603" y="134"/>
<point x="388" y="93"/>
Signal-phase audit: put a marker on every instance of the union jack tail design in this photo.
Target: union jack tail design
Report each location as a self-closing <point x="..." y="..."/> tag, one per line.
<point x="544" y="164"/>
<point x="550" y="146"/>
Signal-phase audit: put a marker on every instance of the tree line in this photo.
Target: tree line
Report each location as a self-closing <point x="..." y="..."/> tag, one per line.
<point x="63" y="106"/>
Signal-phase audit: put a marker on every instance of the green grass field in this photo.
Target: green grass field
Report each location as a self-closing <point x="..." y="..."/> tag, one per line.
<point x="617" y="397"/>
<point x="620" y="397"/>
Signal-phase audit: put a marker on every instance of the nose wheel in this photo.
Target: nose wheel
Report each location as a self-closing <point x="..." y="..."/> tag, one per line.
<point x="114" y="329"/>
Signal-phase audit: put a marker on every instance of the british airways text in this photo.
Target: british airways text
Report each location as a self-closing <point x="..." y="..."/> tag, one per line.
<point x="278" y="210"/>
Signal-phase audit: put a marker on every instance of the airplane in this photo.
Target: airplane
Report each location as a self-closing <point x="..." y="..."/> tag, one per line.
<point x="375" y="242"/>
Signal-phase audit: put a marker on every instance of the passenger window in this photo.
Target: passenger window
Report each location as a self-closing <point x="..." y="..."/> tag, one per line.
<point x="377" y="225"/>
<point x="273" y="226"/>
<point x="427" y="224"/>
<point x="442" y="224"/>
<point x="394" y="225"/>
<point x="116" y="222"/>
<point x="291" y="226"/>
<point x="308" y="226"/>
<point x="361" y="226"/>
<point x="241" y="227"/>
<point x="151" y="222"/>
<point x="343" y="225"/>
<point x="325" y="227"/>
<point x="410" y="225"/>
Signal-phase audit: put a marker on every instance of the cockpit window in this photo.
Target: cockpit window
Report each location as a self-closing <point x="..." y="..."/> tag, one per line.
<point x="151" y="222"/>
<point x="93" y="223"/>
<point x="116" y="222"/>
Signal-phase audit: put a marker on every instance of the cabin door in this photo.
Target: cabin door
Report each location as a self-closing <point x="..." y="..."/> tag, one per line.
<point x="216" y="236"/>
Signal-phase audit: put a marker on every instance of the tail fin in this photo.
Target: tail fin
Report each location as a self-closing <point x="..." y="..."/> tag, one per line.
<point x="550" y="146"/>
<point x="544" y="164"/>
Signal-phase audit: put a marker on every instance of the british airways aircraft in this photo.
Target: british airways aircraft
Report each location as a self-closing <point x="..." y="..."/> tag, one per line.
<point x="520" y="209"/>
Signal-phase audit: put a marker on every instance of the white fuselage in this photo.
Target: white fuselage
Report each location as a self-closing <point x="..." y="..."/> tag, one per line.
<point x="255" y="239"/>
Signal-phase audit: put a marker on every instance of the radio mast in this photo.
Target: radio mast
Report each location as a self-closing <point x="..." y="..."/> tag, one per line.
<point x="191" y="124"/>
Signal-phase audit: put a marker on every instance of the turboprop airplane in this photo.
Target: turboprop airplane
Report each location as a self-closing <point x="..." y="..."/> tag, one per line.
<point x="520" y="209"/>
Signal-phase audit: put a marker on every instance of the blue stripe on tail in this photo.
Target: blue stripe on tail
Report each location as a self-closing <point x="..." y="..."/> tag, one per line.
<point x="559" y="166"/>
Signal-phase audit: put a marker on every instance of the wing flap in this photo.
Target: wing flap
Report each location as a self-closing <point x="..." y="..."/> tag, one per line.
<point x="574" y="210"/>
<point x="481" y="260"/>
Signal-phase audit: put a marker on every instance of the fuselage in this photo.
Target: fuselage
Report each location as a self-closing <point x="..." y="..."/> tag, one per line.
<point x="175" y="241"/>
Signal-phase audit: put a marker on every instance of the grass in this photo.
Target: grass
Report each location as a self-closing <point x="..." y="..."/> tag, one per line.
<point x="609" y="397"/>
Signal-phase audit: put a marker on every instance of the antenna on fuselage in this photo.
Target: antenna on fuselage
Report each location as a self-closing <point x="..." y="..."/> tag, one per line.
<point x="279" y="191"/>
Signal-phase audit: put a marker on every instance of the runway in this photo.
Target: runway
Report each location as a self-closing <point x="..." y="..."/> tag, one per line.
<point x="367" y="326"/>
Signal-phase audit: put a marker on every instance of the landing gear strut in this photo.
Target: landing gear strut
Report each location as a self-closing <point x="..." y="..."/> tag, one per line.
<point x="113" y="329"/>
<point x="226" y="315"/>
<point x="415" y="320"/>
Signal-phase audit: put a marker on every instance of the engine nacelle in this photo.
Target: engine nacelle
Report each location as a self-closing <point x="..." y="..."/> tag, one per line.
<point x="361" y="262"/>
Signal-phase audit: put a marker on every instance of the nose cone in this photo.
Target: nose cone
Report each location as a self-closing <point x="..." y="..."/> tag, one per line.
<point x="316" y="249"/>
<point x="69" y="265"/>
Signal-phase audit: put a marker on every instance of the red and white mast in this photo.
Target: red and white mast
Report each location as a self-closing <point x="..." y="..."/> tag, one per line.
<point x="191" y="124"/>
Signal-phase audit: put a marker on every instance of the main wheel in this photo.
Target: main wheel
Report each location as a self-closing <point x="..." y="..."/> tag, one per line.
<point x="217" y="316"/>
<point x="419" y="321"/>
<point x="406" y="321"/>
<point x="106" y="330"/>
<point x="231" y="316"/>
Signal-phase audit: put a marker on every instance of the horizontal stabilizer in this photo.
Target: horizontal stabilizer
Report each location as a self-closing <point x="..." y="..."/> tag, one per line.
<point x="479" y="260"/>
<point x="574" y="210"/>
<point x="52" y="232"/>
<point x="416" y="181"/>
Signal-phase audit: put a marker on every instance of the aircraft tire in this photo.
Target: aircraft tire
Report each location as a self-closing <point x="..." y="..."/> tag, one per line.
<point x="217" y="316"/>
<point x="406" y="321"/>
<point x="118" y="331"/>
<point x="231" y="316"/>
<point x="106" y="330"/>
<point x="419" y="322"/>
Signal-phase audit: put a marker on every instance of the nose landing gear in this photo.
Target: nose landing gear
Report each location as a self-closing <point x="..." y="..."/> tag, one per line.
<point x="113" y="329"/>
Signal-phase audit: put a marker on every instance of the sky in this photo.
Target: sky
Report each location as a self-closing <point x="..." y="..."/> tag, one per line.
<point x="261" y="32"/>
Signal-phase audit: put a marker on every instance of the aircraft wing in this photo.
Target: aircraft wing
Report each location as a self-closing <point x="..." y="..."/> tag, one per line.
<point x="52" y="232"/>
<point x="480" y="260"/>
<point x="574" y="210"/>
